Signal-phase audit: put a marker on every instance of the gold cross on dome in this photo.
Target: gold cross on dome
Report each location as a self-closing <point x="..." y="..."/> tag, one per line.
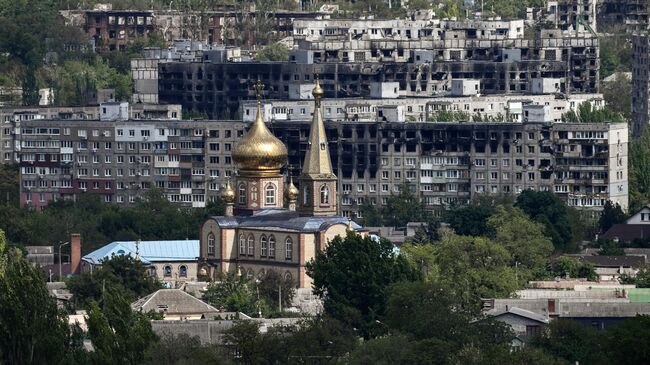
<point x="259" y="86"/>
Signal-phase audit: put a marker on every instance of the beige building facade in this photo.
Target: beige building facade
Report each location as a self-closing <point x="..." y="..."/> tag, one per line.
<point x="257" y="234"/>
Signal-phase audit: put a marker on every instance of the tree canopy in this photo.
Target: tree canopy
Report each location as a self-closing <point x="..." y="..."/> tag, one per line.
<point x="352" y="276"/>
<point x="120" y="273"/>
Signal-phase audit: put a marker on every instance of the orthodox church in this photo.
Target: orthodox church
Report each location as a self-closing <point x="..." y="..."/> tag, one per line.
<point x="269" y="223"/>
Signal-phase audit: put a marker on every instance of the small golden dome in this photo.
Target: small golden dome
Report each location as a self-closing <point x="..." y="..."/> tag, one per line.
<point x="318" y="91"/>
<point x="292" y="191"/>
<point x="260" y="151"/>
<point x="228" y="194"/>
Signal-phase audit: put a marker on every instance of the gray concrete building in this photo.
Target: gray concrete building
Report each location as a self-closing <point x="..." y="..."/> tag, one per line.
<point x="443" y="163"/>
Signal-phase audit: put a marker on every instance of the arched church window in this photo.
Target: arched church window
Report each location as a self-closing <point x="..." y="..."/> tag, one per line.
<point x="211" y="244"/>
<point x="242" y="194"/>
<point x="271" y="247"/>
<point x="242" y="244"/>
<point x="251" y="245"/>
<point x="324" y="195"/>
<point x="288" y="248"/>
<point x="270" y="194"/>
<point x="263" y="246"/>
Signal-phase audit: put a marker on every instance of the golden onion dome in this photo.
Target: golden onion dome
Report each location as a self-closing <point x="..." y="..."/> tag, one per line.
<point x="228" y="194"/>
<point x="292" y="191"/>
<point x="318" y="91"/>
<point x="260" y="151"/>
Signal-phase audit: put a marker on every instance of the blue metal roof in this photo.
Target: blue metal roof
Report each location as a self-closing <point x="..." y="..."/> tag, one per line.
<point x="150" y="251"/>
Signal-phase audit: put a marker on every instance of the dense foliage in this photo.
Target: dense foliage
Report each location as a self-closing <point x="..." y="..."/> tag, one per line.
<point x="639" y="171"/>
<point x="151" y="218"/>
<point x="121" y="273"/>
<point x="235" y="292"/>
<point x="353" y="275"/>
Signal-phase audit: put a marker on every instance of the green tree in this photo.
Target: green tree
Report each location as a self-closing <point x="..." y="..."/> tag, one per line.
<point x="618" y="95"/>
<point x="249" y="346"/>
<point x="119" y="335"/>
<point x="403" y="208"/>
<point x="274" y="52"/>
<point x="9" y="184"/>
<point x="423" y="258"/>
<point x="625" y="342"/>
<point x="587" y="113"/>
<point x="612" y="214"/>
<point x="120" y="272"/>
<point x="232" y="292"/>
<point x="320" y="340"/>
<point x="524" y="239"/>
<point x="274" y="285"/>
<point x="565" y="266"/>
<point x="610" y="248"/>
<point x="639" y="166"/>
<point x="32" y="329"/>
<point x="475" y="267"/>
<point x="352" y="275"/>
<point x="183" y="349"/>
<point x="572" y="341"/>
<point x="548" y="209"/>
<point x="615" y="53"/>
<point x="371" y="215"/>
<point x="641" y="279"/>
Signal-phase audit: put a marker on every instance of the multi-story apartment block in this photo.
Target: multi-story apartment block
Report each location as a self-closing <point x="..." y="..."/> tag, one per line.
<point x="631" y="15"/>
<point x="229" y="25"/>
<point x="640" y="83"/>
<point x="505" y="108"/>
<point x="120" y="160"/>
<point x="12" y="118"/>
<point x="422" y="60"/>
<point x="443" y="163"/>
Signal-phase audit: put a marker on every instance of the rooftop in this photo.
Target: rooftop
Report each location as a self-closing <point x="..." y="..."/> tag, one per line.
<point x="613" y="261"/>
<point x="627" y="232"/>
<point x="172" y="302"/>
<point x="283" y="220"/>
<point x="150" y="251"/>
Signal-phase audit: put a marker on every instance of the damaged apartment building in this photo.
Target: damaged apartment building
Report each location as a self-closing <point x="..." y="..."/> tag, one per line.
<point x="423" y="57"/>
<point x="227" y="24"/>
<point x="443" y="163"/>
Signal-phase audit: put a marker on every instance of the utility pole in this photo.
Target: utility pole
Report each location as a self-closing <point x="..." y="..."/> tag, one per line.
<point x="280" y="297"/>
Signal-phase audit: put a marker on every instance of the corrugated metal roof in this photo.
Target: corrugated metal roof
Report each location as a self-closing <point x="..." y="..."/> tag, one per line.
<point x="150" y="251"/>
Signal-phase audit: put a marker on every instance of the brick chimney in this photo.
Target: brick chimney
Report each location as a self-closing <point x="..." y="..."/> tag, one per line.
<point x="75" y="253"/>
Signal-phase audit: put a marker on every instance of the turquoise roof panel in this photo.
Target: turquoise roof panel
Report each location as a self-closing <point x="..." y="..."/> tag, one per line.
<point x="150" y="251"/>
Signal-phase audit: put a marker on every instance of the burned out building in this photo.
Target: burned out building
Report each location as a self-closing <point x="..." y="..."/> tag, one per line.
<point x="423" y="64"/>
<point x="225" y="24"/>
<point x="443" y="163"/>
